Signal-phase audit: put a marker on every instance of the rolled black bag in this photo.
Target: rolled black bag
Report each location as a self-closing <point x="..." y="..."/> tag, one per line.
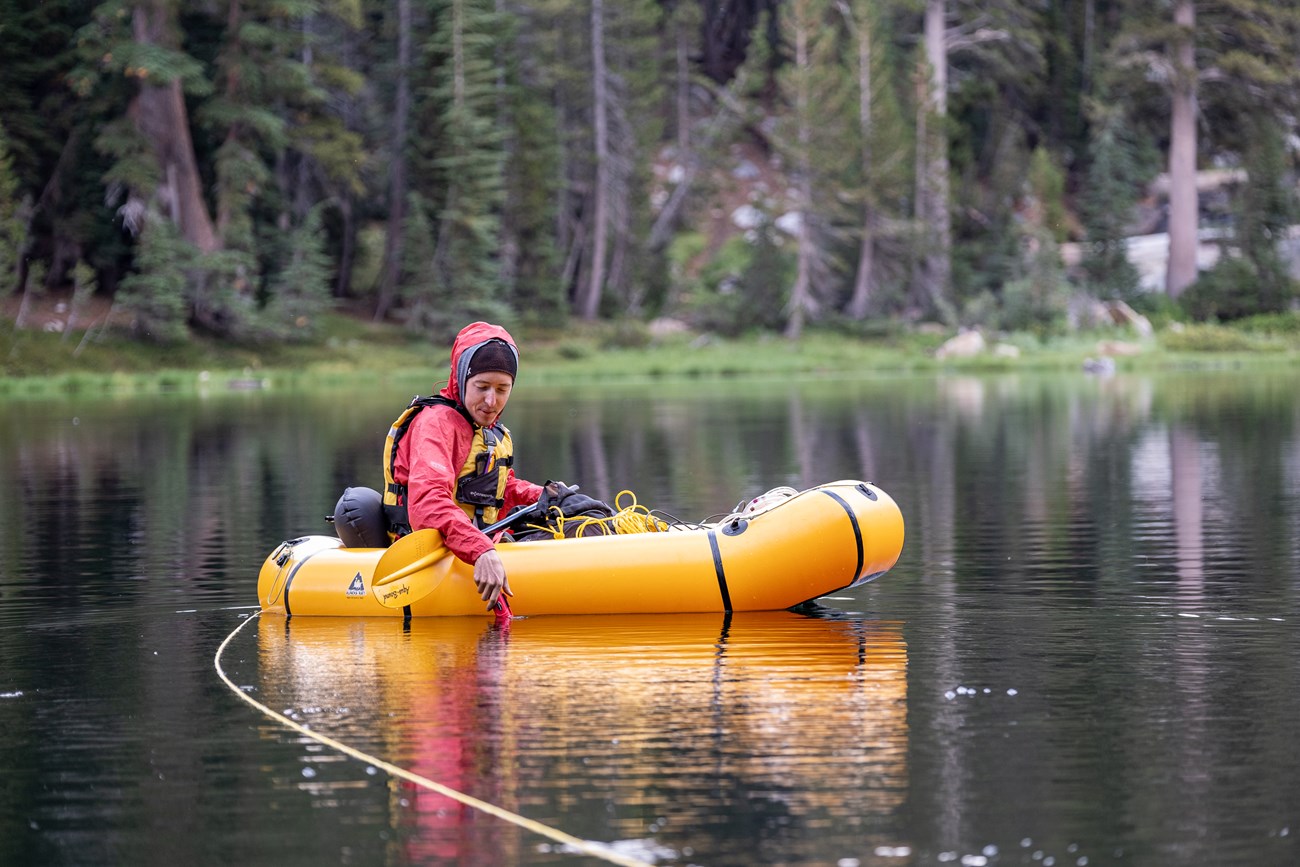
<point x="359" y="519"/>
<point x="564" y="509"/>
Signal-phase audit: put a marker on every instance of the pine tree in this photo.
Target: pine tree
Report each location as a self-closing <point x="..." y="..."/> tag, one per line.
<point x="280" y="139"/>
<point x="399" y="148"/>
<point x="1184" y="209"/>
<point x="1216" y="65"/>
<point x="932" y="182"/>
<point x="601" y="221"/>
<point x="638" y="67"/>
<point x="1110" y="191"/>
<point x="532" y="185"/>
<point x="325" y="153"/>
<point x="48" y="131"/>
<point x="13" y="229"/>
<point x="427" y="304"/>
<point x="994" y="51"/>
<point x="150" y="53"/>
<point x="880" y="176"/>
<point x="470" y="148"/>
<point x="590" y="289"/>
<point x="817" y="138"/>
<point x="301" y="291"/>
<point x="328" y="157"/>
<point x="1265" y="210"/>
<point x="156" y="296"/>
<point x="137" y="77"/>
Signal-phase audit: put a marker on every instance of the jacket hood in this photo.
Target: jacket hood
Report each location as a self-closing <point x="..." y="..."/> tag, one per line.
<point x="470" y="338"/>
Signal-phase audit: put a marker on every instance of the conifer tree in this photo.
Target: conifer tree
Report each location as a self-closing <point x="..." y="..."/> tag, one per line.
<point x="13" y="231"/>
<point x="1217" y="63"/>
<point x="637" y="84"/>
<point x="1184" y="210"/>
<point x="152" y="55"/>
<point x="932" y="186"/>
<point x="817" y="88"/>
<point x="326" y="153"/>
<point x="532" y="183"/>
<point x="427" y="303"/>
<point x="590" y="289"/>
<point x="398" y="146"/>
<point x="301" y="291"/>
<point x="882" y="143"/>
<point x="271" y="111"/>
<point x="47" y="131"/>
<point x="470" y="152"/>
<point x="136" y="74"/>
<point x="156" y="295"/>
<point x="602" y="222"/>
<point x="1109" y="193"/>
<point x="328" y="159"/>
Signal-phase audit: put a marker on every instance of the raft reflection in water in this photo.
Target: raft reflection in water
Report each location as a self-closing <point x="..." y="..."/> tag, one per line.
<point x="692" y="733"/>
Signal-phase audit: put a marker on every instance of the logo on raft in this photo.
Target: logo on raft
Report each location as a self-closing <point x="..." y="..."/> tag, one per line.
<point x="358" y="587"/>
<point x="403" y="590"/>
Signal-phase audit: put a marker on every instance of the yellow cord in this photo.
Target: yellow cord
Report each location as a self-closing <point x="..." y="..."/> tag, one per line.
<point x="577" y="844"/>
<point x="633" y="518"/>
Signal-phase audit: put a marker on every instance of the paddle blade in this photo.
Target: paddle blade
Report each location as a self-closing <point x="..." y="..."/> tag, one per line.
<point x="409" y="588"/>
<point x="412" y="551"/>
<point x="403" y="574"/>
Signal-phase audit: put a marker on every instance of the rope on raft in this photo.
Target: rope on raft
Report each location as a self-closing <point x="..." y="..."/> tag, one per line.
<point x="632" y="518"/>
<point x="636" y="518"/>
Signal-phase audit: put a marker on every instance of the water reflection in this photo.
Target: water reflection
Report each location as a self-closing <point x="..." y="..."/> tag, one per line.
<point x="642" y="728"/>
<point x="1122" y="553"/>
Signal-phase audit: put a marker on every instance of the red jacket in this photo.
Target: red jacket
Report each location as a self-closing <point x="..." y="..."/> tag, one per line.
<point x="433" y="451"/>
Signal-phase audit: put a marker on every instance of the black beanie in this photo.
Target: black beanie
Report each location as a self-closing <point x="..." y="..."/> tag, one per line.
<point x="493" y="355"/>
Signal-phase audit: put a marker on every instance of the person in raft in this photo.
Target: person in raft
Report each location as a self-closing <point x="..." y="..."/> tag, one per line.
<point x="448" y="460"/>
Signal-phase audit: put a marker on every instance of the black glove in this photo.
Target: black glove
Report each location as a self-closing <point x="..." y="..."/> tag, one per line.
<point x="570" y="503"/>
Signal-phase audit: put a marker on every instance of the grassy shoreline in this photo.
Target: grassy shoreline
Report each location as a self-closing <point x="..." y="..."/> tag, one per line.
<point x="355" y="351"/>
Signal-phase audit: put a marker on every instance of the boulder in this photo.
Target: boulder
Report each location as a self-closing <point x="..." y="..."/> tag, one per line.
<point x="964" y="345"/>
<point x="1113" y="348"/>
<point x="667" y="327"/>
<point x="1122" y="314"/>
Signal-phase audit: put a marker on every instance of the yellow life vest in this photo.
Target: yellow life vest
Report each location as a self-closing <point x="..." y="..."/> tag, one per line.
<point x="480" y="483"/>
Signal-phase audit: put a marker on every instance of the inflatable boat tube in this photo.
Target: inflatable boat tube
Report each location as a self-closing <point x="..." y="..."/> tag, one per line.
<point x="821" y="540"/>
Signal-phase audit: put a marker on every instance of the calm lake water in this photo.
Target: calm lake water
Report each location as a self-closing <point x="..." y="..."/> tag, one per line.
<point x="1088" y="653"/>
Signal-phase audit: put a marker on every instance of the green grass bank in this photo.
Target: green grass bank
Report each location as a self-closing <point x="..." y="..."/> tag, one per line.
<point x="348" y="350"/>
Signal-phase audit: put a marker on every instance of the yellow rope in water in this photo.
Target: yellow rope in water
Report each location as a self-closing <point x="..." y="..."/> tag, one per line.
<point x="576" y="844"/>
<point x="633" y="518"/>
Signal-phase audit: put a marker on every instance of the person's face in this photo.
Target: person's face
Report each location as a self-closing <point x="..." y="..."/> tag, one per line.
<point x="486" y="395"/>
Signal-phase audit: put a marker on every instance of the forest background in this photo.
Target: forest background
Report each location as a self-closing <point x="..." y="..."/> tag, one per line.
<point x="177" y="171"/>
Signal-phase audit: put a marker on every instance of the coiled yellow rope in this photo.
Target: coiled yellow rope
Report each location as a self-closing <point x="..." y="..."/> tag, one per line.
<point x="632" y="518"/>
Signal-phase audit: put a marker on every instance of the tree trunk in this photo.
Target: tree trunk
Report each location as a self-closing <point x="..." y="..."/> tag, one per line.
<point x="937" y="265"/>
<point x="225" y="205"/>
<point x="448" y="226"/>
<point x="393" y="246"/>
<point x="1183" y="202"/>
<point x="1089" y="36"/>
<point x="860" y="300"/>
<point x="683" y="77"/>
<point x="348" y="245"/>
<point x="508" y="255"/>
<point x="589" y="292"/>
<point x="691" y="159"/>
<point x="160" y="116"/>
<point x="801" y="293"/>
